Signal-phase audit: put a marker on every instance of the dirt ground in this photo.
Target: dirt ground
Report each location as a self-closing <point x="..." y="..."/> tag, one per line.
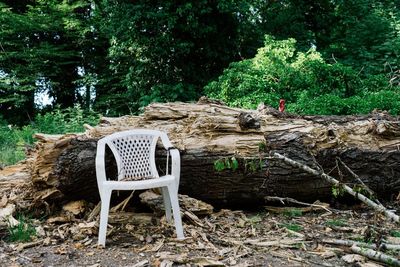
<point x="316" y="235"/>
<point x="224" y="238"/>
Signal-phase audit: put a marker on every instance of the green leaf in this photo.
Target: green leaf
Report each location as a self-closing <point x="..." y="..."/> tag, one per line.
<point x="228" y="163"/>
<point x="219" y="165"/>
<point x="235" y="164"/>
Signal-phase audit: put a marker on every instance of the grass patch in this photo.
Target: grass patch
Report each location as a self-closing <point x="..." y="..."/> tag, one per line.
<point x="15" y="140"/>
<point x="293" y="212"/>
<point x="10" y="155"/>
<point x="395" y="233"/>
<point x="23" y="232"/>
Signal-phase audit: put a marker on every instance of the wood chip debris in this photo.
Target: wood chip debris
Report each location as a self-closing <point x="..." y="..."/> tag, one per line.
<point x="213" y="238"/>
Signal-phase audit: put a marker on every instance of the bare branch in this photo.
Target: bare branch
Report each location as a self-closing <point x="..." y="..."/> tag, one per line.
<point x="375" y="255"/>
<point x="346" y="188"/>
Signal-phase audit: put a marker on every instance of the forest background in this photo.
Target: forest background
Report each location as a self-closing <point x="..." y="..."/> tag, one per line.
<point x="64" y="62"/>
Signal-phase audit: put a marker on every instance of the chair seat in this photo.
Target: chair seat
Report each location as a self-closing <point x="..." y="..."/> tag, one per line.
<point x="140" y="178"/>
<point x="140" y="184"/>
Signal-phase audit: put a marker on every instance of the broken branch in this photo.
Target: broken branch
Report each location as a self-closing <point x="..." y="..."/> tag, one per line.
<point x="349" y="243"/>
<point x="375" y="255"/>
<point x="370" y="192"/>
<point x="292" y="200"/>
<point x="346" y="188"/>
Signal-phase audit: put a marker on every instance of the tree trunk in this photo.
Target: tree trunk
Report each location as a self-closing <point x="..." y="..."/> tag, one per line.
<point x="209" y="134"/>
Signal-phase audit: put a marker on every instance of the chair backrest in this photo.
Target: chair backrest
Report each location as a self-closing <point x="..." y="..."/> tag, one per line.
<point x="134" y="152"/>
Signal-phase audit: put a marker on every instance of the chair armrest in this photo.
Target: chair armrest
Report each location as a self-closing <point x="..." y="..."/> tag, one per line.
<point x="165" y="141"/>
<point x="100" y="162"/>
<point x="175" y="165"/>
<point x="175" y="157"/>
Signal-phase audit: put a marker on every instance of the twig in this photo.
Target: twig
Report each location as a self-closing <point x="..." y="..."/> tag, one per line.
<point x="349" y="243"/>
<point x="94" y="212"/>
<point x="292" y="200"/>
<point x="333" y="57"/>
<point x="141" y="263"/>
<point x="340" y="174"/>
<point x="23" y="246"/>
<point x="276" y="243"/>
<point x="394" y="184"/>
<point x="287" y="257"/>
<point x="370" y="192"/>
<point x="316" y="163"/>
<point x="375" y="255"/>
<point x="346" y="188"/>
<point x="294" y="233"/>
<point x="123" y="203"/>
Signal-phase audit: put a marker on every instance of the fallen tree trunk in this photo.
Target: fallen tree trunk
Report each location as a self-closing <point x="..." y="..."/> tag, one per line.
<point x="237" y="142"/>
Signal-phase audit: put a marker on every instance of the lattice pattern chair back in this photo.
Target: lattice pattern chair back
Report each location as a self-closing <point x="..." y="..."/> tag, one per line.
<point x="134" y="154"/>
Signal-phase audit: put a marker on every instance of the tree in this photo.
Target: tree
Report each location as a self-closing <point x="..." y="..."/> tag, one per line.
<point x="43" y="44"/>
<point x="167" y="50"/>
<point x="366" y="35"/>
<point x="363" y="34"/>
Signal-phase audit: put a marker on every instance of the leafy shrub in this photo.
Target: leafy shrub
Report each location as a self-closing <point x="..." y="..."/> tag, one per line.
<point x="305" y="80"/>
<point x="12" y="143"/>
<point x="15" y="140"/>
<point x="65" y="121"/>
<point x="23" y="232"/>
<point x="328" y="104"/>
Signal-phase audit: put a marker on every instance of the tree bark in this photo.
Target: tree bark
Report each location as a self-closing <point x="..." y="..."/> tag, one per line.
<point x="207" y="133"/>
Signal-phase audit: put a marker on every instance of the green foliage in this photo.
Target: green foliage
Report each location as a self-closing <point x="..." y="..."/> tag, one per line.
<point x="253" y="165"/>
<point x="231" y="163"/>
<point x="44" y="43"/>
<point x="292" y="226"/>
<point x="358" y="188"/>
<point x="395" y="233"/>
<point x="362" y="34"/>
<point x="226" y="164"/>
<point x="219" y="165"/>
<point x="367" y="35"/>
<point x="69" y="120"/>
<point x="234" y="164"/>
<point x="132" y="53"/>
<point x="166" y="50"/>
<point x="358" y="104"/>
<point x="293" y="212"/>
<point x="262" y="147"/>
<point x="23" y="232"/>
<point x="15" y="140"/>
<point x="305" y="80"/>
<point x="337" y="190"/>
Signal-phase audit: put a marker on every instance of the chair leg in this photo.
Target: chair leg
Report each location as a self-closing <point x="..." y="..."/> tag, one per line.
<point x="167" y="204"/>
<point x="105" y="206"/>
<point x="173" y="194"/>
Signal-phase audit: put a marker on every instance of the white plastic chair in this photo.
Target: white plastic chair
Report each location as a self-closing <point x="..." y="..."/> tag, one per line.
<point x="134" y="152"/>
